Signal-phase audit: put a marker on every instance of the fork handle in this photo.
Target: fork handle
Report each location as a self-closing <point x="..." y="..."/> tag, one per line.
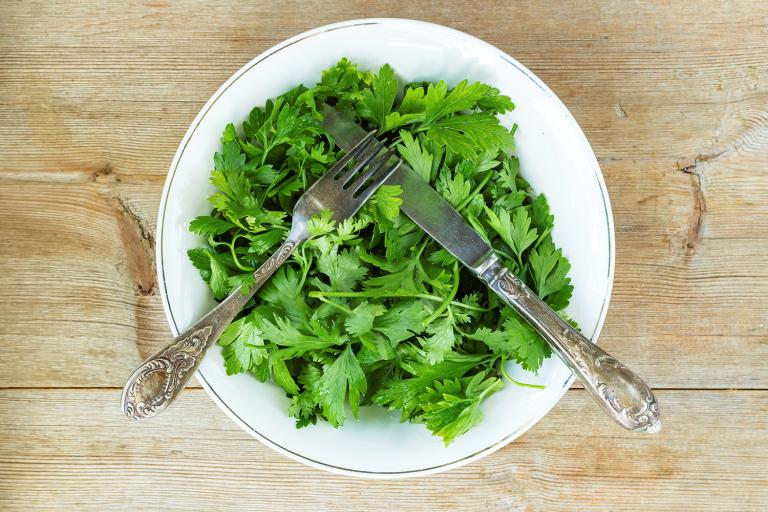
<point x="618" y="390"/>
<point x="155" y="384"/>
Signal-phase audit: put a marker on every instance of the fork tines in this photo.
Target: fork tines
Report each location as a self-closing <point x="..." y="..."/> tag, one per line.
<point x="370" y="165"/>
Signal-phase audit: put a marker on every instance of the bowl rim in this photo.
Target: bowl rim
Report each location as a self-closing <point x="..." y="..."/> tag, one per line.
<point x="161" y="220"/>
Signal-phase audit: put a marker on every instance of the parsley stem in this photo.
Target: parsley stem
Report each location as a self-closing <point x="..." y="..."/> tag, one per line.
<point x="422" y="272"/>
<point x="516" y="382"/>
<point x="505" y="254"/>
<point x="477" y="190"/>
<point x="451" y="317"/>
<point x="234" y="255"/>
<point x="338" y="306"/>
<point x="467" y="306"/>
<point x="267" y="149"/>
<point x="444" y="304"/>
<point x="424" y="275"/>
<point x="423" y="246"/>
<point x="425" y="296"/>
<point x="541" y="238"/>
<point x="304" y="263"/>
<point x="214" y="243"/>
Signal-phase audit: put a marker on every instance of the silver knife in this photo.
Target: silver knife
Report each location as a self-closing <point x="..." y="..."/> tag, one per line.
<point x="622" y="394"/>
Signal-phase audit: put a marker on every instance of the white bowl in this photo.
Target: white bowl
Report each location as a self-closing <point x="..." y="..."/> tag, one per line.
<point x="555" y="158"/>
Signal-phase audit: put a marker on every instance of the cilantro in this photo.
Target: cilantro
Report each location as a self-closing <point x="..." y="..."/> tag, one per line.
<point x="371" y="310"/>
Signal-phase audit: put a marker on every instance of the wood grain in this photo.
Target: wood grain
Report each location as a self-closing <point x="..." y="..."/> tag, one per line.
<point x="709" y="456"/>
<point x="681" y="316"/>
<point x="115" y="85"/>
<point x="94" y="99"/>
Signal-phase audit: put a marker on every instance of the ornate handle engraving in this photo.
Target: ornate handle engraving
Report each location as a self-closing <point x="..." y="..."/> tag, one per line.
<point x="265" y="271"/>
<point x="620" y="392"/>
<point x="155" y="384"/>
<point x="155" y="381"/>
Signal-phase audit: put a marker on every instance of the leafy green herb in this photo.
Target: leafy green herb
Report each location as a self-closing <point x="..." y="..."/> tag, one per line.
<point x="452" y="406"/>
<point x="372" y="310"/>
<point x="342" y="377"/>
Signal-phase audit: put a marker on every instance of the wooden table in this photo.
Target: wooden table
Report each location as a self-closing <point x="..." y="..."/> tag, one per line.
<point x="95" y="98"/>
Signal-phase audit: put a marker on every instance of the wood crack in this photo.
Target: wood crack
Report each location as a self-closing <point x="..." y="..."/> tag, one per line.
<point x="696" y="223"/>
<point x="701" y="158"/>
<point x="139" y="246"/>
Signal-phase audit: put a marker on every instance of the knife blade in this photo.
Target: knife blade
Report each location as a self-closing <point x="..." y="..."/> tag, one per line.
<point x="626" y="398"/>
<point x="428" y="209"/>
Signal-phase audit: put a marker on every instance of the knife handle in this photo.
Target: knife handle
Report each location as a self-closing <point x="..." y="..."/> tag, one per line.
<point x="618" y="390"/>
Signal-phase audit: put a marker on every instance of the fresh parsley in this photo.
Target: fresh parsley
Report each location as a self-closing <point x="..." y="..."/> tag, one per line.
<point x="371" y="310"/>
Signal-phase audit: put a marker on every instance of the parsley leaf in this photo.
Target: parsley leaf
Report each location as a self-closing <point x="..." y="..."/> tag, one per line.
<point x="472" y="133"/>
<point x="344" y="377"/>
<point x="439" y="103"/>
<point x="455" y="189"/>
<point x="387" y="201"/>
<point x="439" y="341"/>
<point x="342" y="268"/>
<point x="419" y="159"/>
<point x="210" y="226"/>
<point x="361" y="320"/>
<point x="515" y="231"/>
<point x="377" y="101"/>
<point x="219" y="281"/>
<point x="549" y="269"/>
<point x="517" y="340"/>
<point x="243" y="347"/>
<point x="402" y="321"/>
<point x="452" y="406"/>
<point x="403" y="394"/>
<point x="541" y="219"/>
<point x="282" y="375"/>
<point x="528" y="348"/>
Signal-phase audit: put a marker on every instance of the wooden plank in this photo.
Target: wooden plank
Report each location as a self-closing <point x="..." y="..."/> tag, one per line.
<point x="686" y="310"/>
<point x="691" y="255"/>
<point x="71" y="450"/>
<point x="119" y="87"/>
<point x="78" y="285"/>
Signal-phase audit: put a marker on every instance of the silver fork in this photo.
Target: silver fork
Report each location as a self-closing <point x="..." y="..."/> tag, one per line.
<point x="155" y="384"/>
